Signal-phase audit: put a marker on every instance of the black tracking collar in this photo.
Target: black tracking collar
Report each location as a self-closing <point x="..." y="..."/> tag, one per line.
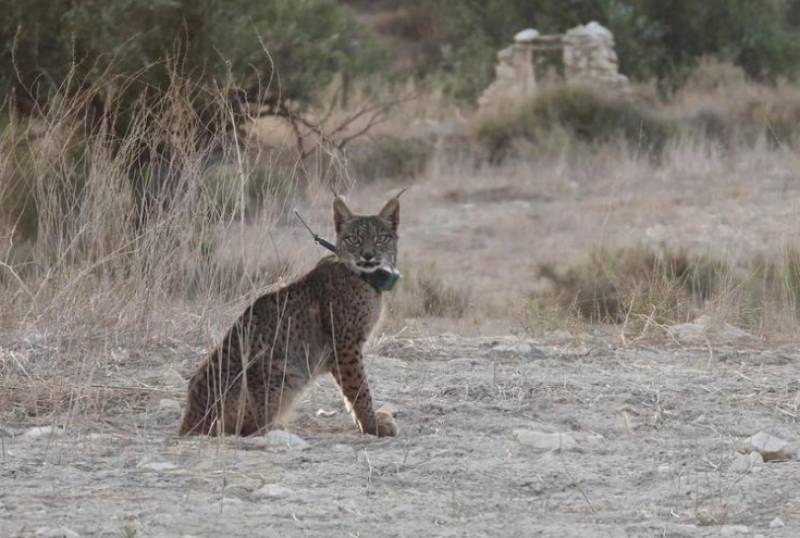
<point x="382" y="279"/>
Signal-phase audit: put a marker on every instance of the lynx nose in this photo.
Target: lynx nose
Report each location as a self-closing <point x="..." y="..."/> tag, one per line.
<point x="367" y="256"/>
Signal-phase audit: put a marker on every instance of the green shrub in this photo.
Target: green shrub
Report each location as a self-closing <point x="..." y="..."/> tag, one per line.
<point x="270" y="52"/>
<point x="655" y="39"/>
<point x="586" y="115"/>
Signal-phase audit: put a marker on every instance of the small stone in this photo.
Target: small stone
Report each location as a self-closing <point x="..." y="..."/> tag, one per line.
<point x="326" y="413"/>
<point x="526" y="36"/>
<point x="772" y="448"/>
<point x="272" y="491"/>
<point x="743" y="463"/>
<point x="285" y="439"/>
<point x="56" y="532"/>
<point x="229" y="501"/>
<point x="42" y="431"/>
<point x="158" y="466"/>
<point x="521" y="348"/>
<point x="776" y="523"/>
<point x="546" y="441"/>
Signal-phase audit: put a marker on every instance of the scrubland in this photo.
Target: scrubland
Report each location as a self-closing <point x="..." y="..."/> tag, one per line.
<point x="622" y="270"/>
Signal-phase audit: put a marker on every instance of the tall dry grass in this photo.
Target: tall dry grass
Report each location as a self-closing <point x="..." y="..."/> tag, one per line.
<point x="141" y="233"/>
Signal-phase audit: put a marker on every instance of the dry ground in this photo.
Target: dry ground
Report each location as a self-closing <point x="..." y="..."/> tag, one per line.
<point x="657" y="428"/>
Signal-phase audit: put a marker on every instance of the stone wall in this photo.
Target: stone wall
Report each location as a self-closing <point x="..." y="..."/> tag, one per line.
<point x="514" y="77"/>
<point x="588" y="58"/>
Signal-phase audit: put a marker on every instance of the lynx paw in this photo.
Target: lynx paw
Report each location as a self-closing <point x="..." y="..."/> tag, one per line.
<point x="385" y="424"/>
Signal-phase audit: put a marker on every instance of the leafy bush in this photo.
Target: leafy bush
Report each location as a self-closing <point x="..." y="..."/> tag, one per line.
<point x="660" y="39"/>
<point x="271" y="52"/>
<point x="585" y="115"/>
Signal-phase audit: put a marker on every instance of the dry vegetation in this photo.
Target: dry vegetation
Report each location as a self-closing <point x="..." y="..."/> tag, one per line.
<point x="79" y="246"/>
<point x="569" y="216"/>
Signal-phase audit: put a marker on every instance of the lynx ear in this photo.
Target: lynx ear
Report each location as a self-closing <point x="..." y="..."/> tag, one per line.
<point x="341" y="213"/>
<point x="391" y="212"/>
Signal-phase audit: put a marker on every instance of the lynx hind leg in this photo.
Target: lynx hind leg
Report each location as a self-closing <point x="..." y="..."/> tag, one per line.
<point x="198" y="416"/>
<point x="261" y="406"/>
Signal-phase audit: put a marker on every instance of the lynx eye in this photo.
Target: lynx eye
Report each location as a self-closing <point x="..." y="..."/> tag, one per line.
<point x="383" y="239"/>
<point x="351" y="241"/>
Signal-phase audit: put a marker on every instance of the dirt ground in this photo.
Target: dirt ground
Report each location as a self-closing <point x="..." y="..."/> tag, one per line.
<point x="655" y="431"/>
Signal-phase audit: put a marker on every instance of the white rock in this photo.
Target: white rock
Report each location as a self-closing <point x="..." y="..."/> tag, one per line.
<point x="526" y="36"/>
<point x="546" y="441"/>
<point x="56" y="532"/>
<point x="522" y="348"/>
<point x="157" y="466"/>
<point x="703" y="328"/>
<point x="593" y="29"/>
<point x="42" y="431"/>
<point x="770" y="447"/>
<point x="229" y="501"/>
<point x="276" y="439"/>
<point x="326" y="413"/>
<point x="272" y="491"/>
<point x="284" y="438"/>
<point x="776" y="523"/>
<point x="743" y="463"/>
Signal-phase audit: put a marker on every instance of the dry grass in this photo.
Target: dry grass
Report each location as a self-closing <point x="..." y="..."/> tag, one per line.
<point x="574" y="113"/>
<point x="120" y="230"/>
<point x="82" y="254"/>
<point x="642" y="287"/>
<point x="720" y="103"/>
<point x="428" y="291"/>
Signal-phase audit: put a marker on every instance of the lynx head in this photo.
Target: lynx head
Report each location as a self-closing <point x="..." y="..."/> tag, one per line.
<point x="367" y="242"/>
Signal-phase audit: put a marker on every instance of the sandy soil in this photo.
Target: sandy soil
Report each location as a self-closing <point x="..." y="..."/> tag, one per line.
<point x="656" y="435"/>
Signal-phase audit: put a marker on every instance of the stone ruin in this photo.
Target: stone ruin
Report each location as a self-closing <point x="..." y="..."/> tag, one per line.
<point x="583" y="55"/>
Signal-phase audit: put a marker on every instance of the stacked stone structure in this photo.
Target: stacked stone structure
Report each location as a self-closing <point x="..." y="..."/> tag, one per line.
<point x="588" y="56"/>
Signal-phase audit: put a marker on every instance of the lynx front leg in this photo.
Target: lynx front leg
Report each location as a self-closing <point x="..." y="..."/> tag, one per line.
<point x="349" y="374"/>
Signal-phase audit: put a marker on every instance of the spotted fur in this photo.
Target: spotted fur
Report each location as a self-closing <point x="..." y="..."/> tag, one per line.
<point x="317" y="325"/>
